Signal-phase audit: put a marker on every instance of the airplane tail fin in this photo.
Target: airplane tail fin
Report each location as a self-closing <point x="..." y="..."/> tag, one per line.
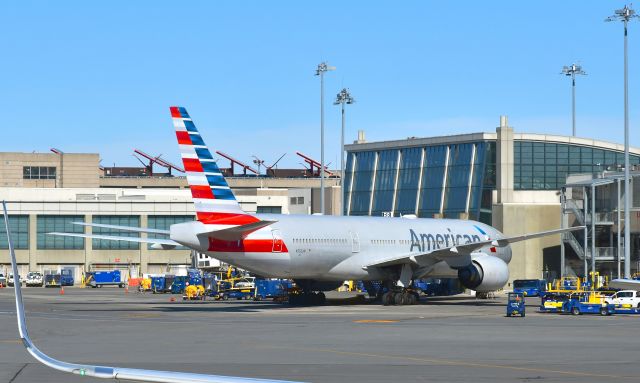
<point x="214" y="201"/>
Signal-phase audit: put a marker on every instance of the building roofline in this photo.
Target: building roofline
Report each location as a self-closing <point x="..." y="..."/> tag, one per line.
<point x="474" y="137"/>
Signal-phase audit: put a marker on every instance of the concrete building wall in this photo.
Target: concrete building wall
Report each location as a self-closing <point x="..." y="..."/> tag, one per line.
<point x="72" y="169"/>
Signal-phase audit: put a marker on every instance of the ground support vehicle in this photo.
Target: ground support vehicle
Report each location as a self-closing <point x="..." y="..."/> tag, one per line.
<point x="34" y="278"/>
<point x="625" y="309"/>
<point x="530" y="287"/>
<point x="178" y="284"/>
<point x="10" y="280"/>
<point x="52" y="280"/>
<point x="552" y="302"/>
<point x="630" y="298"/>
<point x="194" y="292"/>
<point x="66" y="277"/>
<point x="105" y="278"/>
<point x="276" y="289"/>
<point x="587" y="303"/>
<point x="515" y="304"/>
<point x="159" y="285"/>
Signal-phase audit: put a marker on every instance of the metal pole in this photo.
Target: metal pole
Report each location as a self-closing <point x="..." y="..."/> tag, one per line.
<point x="627" y="193"/>
<point x="322" y="142"/>
<point x="562" y="209"/>
<point x="573" y="101"/>
<point x="593" y="235"/>
<point x="342" y="164"/>
<point x="619" y="236"/>
<point x="586" y="232"/>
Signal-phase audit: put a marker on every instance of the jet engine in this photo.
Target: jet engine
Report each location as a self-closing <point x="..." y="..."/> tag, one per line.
<point x="485" y="273"/>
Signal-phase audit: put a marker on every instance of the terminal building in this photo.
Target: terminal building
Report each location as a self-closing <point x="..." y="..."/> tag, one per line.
<point x="45" y="192"/>
<point x="512" y="181"/>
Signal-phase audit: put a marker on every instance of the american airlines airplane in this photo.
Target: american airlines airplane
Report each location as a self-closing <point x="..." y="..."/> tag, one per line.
<point x="320" y="252"/>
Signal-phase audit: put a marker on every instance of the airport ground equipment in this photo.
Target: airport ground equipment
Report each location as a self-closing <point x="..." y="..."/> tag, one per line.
<point x="158" y="284"/>
<point x="66" y="277"/>
<point x="552" y="302"/>
<point x="105" y="278"/>
<point x="530" y="287"/>
<point x="178" y="284"/>
<point x="515" y="304"/>
<point x="52" y="280"/>
<point x="629" y="298"/>
<point x="194" y="292"/>
<point x="276" y="289"/>
<point x="104" y="372"/>
<point x="3" y="280"/>
<point x="34" y="278"/>
<point x="587" y="303"/>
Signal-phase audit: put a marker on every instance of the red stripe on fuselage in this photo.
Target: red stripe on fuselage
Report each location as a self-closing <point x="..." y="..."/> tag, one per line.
<point x="244" y="246"/>
<point x="175" y="112"/>
<point x="183" y="138"/>
<point x="192" y="165"/>
<point x="213" y="218"/>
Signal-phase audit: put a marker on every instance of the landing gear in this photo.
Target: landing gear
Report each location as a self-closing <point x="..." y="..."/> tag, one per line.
<point x="307" y="299"/>
<point x="399" y="298"/>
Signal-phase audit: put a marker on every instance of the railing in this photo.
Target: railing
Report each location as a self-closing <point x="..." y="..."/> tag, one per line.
<point x="573" y="242"/>
<point x="572" y="206"/>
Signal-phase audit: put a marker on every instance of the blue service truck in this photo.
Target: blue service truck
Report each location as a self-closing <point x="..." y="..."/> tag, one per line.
<point x="276" y="289"/>
<point x="530" y="287"/>
<point x="105" y="278"/>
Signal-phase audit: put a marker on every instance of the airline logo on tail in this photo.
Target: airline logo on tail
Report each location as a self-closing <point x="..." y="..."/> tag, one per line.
<point x="214" y="201"/>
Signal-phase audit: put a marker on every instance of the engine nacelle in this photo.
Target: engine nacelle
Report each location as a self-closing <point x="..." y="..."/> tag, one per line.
<point x="486" y="273"/>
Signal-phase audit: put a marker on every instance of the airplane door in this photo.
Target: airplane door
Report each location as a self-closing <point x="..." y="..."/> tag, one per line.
<point x="277" y="241"/>
<point x="355" y="242"/>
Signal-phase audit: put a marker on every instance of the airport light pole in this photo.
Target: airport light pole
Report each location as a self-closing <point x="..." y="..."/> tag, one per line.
<point x="322" y="67"/>
<point x="572" y="71"/>
<point x="625" y="15"/>
<point x="342" y="98"/>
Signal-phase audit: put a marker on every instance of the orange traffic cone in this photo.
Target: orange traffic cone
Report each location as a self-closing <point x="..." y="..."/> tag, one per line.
<point x="172" y="299"/>
<point x="61" y="290"/>
<point x="126" y="289"/>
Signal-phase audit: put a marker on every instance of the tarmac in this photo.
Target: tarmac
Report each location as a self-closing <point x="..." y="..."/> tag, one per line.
<point x="443" y="339"/>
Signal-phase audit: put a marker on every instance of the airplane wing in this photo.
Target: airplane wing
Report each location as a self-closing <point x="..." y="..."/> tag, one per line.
<point x="464" y="250"/>
<point x="625" y="284"/>
<point x="124" y="228"/>
<point x="159" y="241"/>
<point x="105" y="372"/>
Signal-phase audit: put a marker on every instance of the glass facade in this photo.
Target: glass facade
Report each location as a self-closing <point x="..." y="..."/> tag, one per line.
<point x="118" y="220"/>
<point x="19" y="227"/>
<point x="385" y="182"/>
<point x="545" y="165"/>
<point x="164" y="222"/>
<point x="59" y="223"/>
<point x="452" y="179"/>
<point x="440" y="179"/>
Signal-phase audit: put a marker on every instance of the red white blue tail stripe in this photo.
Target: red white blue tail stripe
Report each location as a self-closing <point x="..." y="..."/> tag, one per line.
<point x="214" y="201"/>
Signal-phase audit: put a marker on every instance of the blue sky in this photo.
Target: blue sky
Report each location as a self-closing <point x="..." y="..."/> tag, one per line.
<point x="99" y="77"/>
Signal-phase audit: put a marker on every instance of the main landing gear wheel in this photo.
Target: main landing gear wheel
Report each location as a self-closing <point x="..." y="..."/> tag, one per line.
<point x="399" y="298"/>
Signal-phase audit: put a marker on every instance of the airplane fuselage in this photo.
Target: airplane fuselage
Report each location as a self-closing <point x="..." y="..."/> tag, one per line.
<point x="335" y="248"/>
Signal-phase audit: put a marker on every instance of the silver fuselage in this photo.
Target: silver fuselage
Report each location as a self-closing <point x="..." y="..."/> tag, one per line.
<point x="334" y="248"/>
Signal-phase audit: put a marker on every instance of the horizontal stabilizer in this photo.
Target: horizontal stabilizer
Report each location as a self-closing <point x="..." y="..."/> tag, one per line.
<point x="123" y="228"/>
<point x="165" y="243"/>
<point x="463" y="251"/>
<point x="237" y="232"/>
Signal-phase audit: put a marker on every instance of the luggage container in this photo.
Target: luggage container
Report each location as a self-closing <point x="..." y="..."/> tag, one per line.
<point x="158" y="284"/>
<point x="105" y="278"/>
<point x="271" y="289"/>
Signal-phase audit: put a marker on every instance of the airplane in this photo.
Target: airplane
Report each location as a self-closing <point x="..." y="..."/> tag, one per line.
<point x="105" y="372"/>
<point x="320" y="252"/>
